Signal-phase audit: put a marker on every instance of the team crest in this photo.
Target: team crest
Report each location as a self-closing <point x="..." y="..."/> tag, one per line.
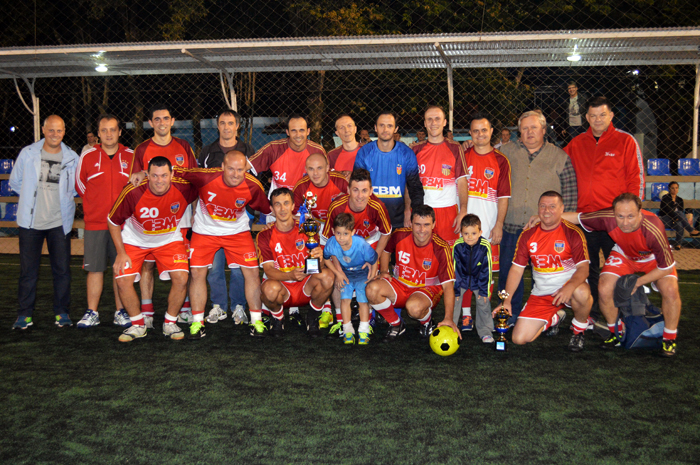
<point x="446" y="169"/>
<point x="488" y="173"/>
<point x="175" y="207"/>
<point x="347" y="259"/>
<point x="365" y="223"/>
<point x="300" y="244"/>
<point x="398" y="169"/>
<point x="125" y="165"/>
<point x="559" y="246"/>
<point x="427" y="263"/>
<point x="240" y="203"/>
<point x="180" y="159"/>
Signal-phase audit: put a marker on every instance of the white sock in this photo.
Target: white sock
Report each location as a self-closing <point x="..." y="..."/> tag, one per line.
<point x="348" y="328"/>
<point x="364" y="327"/>
<point x="293" y="310"/>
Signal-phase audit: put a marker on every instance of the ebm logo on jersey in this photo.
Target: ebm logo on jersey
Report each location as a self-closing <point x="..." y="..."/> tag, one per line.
<point x="300" y="244"/>
<point x="250" y="256"/>
<point x="398" y="169"/>
<point x="180" y="159"/>
<point x="175" y="207"/>
<point x="446" y="169"/>
<point x="180" y="258"/>
<point x="240" y="203"/>
<point x="427" y="263"/>
<point x="559" y="246"/>
<point x="488" y="173"/>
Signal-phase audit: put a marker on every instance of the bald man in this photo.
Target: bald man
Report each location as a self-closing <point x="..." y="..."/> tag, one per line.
<point x="44" y="176"/>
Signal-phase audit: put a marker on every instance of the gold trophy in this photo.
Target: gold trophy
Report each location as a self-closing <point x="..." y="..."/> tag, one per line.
<point x="309" y="226"/>
<point x="502" y="325"/>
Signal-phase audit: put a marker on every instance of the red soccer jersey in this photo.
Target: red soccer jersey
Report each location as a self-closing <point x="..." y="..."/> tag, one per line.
<point x="489" y="180"/>
<point x="440" y="166"/>
<point x="178" y="151"/>
<point x="336" y="186"/>
<point x="416" y="266"/>
<point x="554" y="254"/>
<point x="342" y="160"/>
<point x="100" y="180"/>
<point x="647" y="243"/>
<point x="286" y="249"/>
<point x="221" y="209"/>
<point x="287" y="165"/>
<point x="152" y="220"/>
<point x="370" y="223"/>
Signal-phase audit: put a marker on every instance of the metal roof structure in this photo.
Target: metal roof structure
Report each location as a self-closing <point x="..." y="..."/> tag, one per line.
<point x="614" y="47"/>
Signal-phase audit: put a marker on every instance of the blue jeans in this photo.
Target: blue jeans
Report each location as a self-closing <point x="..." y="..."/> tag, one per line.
<point x="31" y="242"/>
<point x="508" y="244"/>
<point x="217" y="283"/>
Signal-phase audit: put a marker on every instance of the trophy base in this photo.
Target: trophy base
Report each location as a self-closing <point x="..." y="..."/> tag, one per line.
<point x="313" y="266"/>
<point x="500" y="346"/>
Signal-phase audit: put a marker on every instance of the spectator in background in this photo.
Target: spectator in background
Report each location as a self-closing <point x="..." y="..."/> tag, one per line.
<point x="364" y="137"/>
<point x="91" y="141"/>
<point x="505" y="138"/>
<point x="420" y="135"/>
<point x="672" y="214"/>
<point x="645" y="128"/>
<point x="575" y="109"/>
<point x="449" y="135"/>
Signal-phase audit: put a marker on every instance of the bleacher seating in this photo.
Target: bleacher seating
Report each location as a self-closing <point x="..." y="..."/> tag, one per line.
<point x="689" y="167"/>
<point x="658" y="167"/>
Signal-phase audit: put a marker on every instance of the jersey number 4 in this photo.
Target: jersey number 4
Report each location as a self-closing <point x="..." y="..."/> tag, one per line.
<point x="278" y="248"/>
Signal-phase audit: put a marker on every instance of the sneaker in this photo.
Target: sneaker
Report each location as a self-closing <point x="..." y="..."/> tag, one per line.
<point x="554" y="329"/>
<point x="349" y="339"/>
<point x="134" y="332"/>
<point x="185" y="317"/>
<point x="427" y="328"/>
<point x="326" y="320"/>
<point x="312" y="321"/>
<point x="363" y="340"/>
<point x="295" y="319"/>
<point x="149" y="322"/>
<point x="394" y="332"/>
<point x="173" y="331"/>
<point x="267" y="321"/>
<point x="611" y="342"/>
<point x="216" y="314"/>
<point x="336" y="328"/>
<point x="277" y="328"/>
<point x="63" y="320"/>
<point x="668" y="348"/>
<point x="258" y="329"/>
<point x="487" y="339"/>
<point x="239" y="315"/>
<point x="91" y="318"/>
<point x="121" y="318"/>
<point x="576" y="343"/>
<point x="197" y="330"/>
<point x="467" y="323"/>
<point x="23" y="322"/>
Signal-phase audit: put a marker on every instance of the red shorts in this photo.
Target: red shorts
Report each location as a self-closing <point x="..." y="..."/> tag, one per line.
<point x="540" y="307"/>
<point x="239" y="250"/>
<point x="619" y="265"/>
<point x="403" y="292"/>
<point x="444" y="217"/>
<point x="150" y="258"/>
<point x="297" y="297"/>
<point x="495" y="258"/>
<point x="168" y="257"/>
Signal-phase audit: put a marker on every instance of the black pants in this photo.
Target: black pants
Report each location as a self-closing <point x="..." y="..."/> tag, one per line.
<point x="597" y="241"/>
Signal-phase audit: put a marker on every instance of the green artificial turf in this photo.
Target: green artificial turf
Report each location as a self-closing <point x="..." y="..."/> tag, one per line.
<point x="79" y="396"/>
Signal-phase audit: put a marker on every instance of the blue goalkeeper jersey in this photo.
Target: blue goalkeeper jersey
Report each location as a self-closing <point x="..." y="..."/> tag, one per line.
<point x="352" y="260"/>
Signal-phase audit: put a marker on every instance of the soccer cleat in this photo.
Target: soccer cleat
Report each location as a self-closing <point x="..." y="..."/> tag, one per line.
<point x="185" y="317"/>
<point x="91" y="318"/>
<point x="258" y="329"/>
<point x="295" y="319"/>
<point x="325" y="320"/>
<point x="349" y="339"/>
<point x="267" y="321"/>
<point x="23" y="322"/>
<point x="427" y="328"/>
<point x="149" y="322"/>
<point x="133" y="332"/>
<point x="121" y="318"/>
<point x="63" y="320"/>
<point x="611" y="342"/>
<point x="467" y="323"/>
<point x="363" y="340"/>
<point x="668" y="348"/>
<point x="173" y="331"/>
<point x="336" y="328"/>
<point x="487" y="339"/>
<point x="554" y="329"/>
<point x="576" y="343"/>
<point x="277" y="328"/>
<point x="197" y="330"/>
<point x="239" y="315"/>
<point x="216" y="314"/>
<point x="394" y="332"/>
<point x="312" y="328"/>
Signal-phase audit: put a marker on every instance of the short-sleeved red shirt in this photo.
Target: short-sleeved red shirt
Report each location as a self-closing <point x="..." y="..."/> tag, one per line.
<point x="336" y="186"/>
<point x="370" y="223"/>
<point x="342" y="160"/>
<point x="416" y="266"/>
<point x="178" y="151"/>
<point x="286" y="249"/>
<point x="287" y="166"/>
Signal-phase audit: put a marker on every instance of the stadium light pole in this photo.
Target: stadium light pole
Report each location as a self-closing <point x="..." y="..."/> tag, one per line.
<point x="696" y="105"/>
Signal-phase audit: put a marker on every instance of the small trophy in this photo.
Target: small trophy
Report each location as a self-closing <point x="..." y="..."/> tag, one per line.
<point x="502" y="325"/>
<point x="309" y="226"/>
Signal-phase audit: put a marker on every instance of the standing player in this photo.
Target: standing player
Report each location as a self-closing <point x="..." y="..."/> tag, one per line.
<point x="282" y="256"/>
<point x="441" y="164"/>
<point x="559" y="258"/>
<point x="342" y="158"/>
<point x="151" y="214"/>
<point x="221" y="222"/>
<point x="103" y="171"/>
<point x="424" y="271"/>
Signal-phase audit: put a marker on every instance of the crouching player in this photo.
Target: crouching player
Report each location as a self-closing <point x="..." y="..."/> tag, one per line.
<point x="151" y="214"/>
<point x="351" y="258"/>
<point x="560" y="261"/>
<point x="424" y="270"/>
<point x="282" y="251"/>
<point x="473" y="265"/>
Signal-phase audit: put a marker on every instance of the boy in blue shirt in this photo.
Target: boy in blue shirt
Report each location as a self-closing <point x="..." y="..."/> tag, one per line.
<point x="350" y="257"/>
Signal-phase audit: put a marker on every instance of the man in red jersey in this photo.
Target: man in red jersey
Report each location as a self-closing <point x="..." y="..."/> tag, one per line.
<point x="641" y="246"/>
<point x="283" y="254"/>
<point x="342" y="158"/>
<point x="424" y="271"/>
<point x="443" y="175"/>
<point x="221" y="222"/>
<point x="560" y="261"/>
<point x="103" y="171"/>
<point x="150" y="214"/>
